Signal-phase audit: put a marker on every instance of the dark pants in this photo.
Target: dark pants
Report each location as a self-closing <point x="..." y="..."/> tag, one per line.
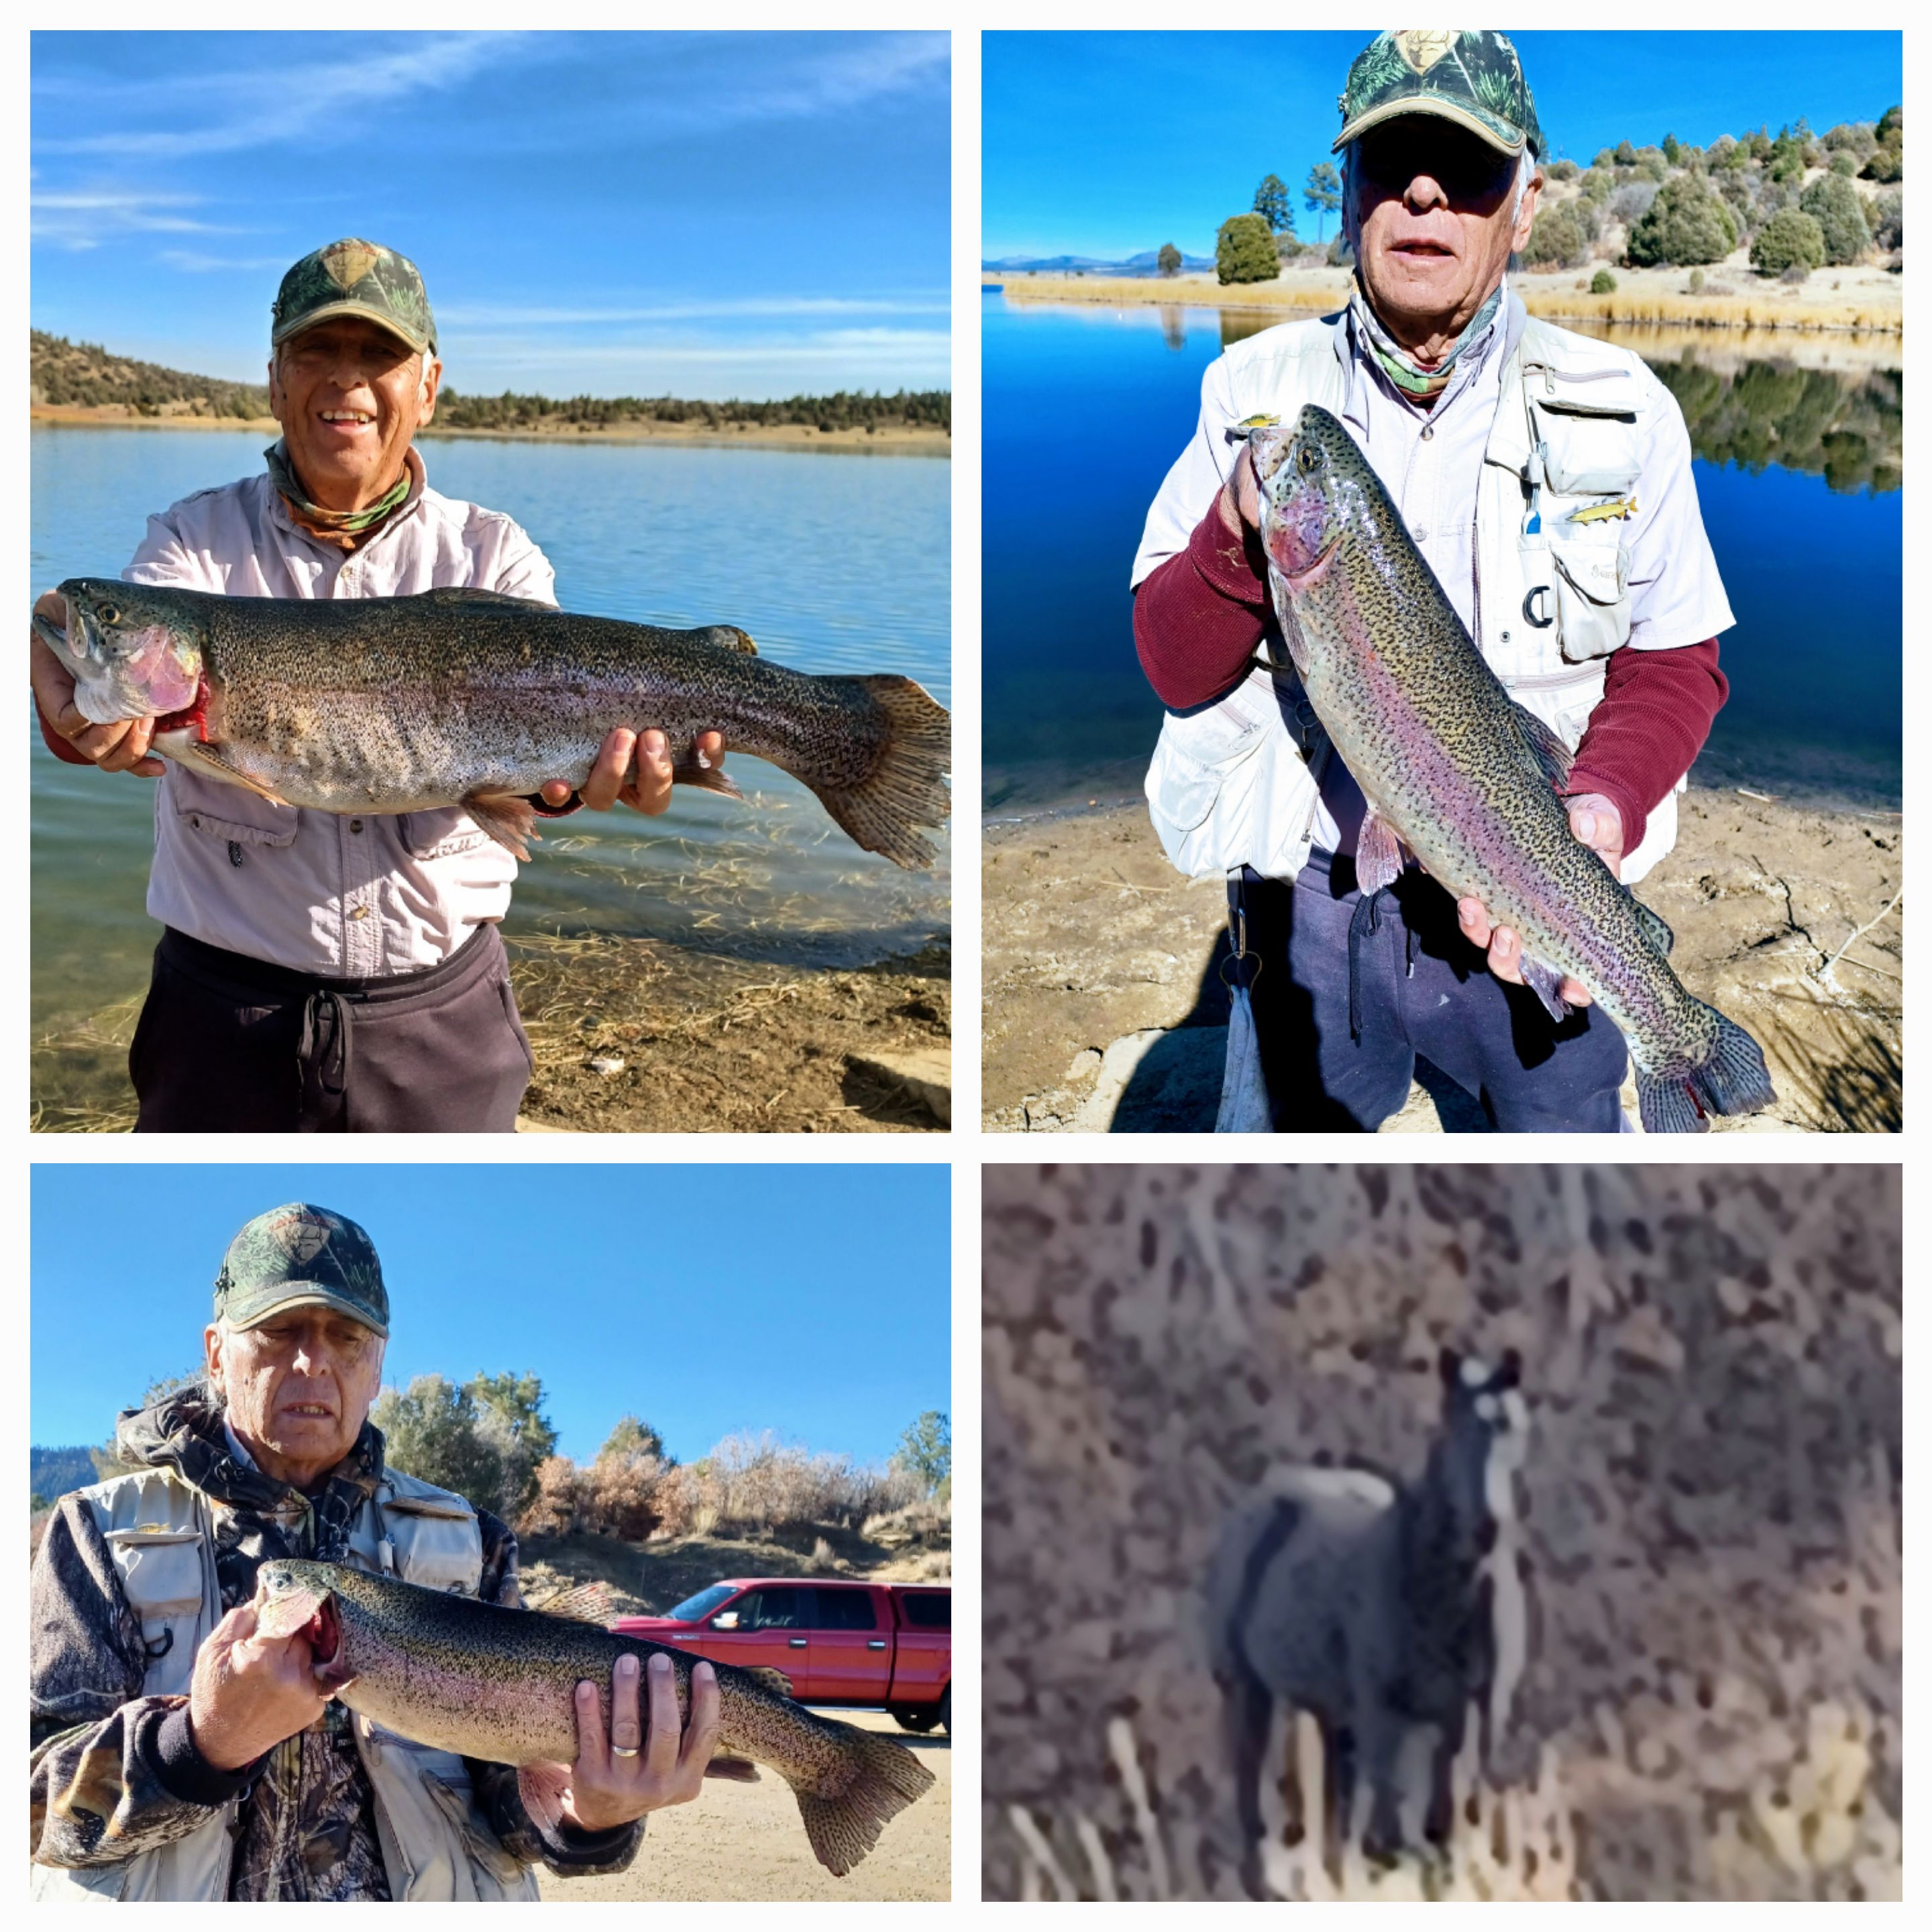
<point x="1350" y="991"/>
<point x="230" y="1045"/>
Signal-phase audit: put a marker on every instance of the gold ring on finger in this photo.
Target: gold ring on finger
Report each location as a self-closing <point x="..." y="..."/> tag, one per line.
<point x="623" y="1750"/>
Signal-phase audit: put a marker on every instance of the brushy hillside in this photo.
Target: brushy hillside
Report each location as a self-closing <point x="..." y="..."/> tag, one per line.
<point x="1711" y="1356"/>
<point x="54" y="1471"/>
<point x="83" y="375"/>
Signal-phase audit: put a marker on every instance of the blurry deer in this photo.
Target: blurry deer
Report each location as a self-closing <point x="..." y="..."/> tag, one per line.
<point x="1384" y="1610"/>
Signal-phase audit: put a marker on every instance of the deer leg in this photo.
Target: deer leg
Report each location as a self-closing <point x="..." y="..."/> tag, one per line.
<point x="1248" y="1708"/>
<point x="1440" y="1823"/>
<point x="1379" y="1734"/>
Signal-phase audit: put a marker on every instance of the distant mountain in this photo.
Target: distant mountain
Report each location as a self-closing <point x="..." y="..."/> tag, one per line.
<point x="1145" y="263"/>
<point x="57" y="1471"/>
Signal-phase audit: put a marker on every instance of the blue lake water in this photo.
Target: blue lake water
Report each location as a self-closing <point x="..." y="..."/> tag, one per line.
<point x="832" y="563"/>
<point x="1086" y="408"/>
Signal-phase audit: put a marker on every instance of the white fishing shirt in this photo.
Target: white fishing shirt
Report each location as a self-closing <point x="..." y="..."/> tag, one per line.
<point x="342" y="897"/>
<point x="1430" y="461"/>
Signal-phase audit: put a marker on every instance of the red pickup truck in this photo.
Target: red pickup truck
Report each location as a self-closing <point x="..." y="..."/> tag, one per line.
<point x="887" y="1644"/>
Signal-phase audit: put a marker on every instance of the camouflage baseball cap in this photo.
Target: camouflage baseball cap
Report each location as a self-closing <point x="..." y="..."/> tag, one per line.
<point x="1473" y="79"/>
<point x="359" y="278"/>
<point x="300" y="1256"/>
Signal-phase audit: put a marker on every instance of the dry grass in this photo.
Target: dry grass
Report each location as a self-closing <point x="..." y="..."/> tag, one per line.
<point x="1317" y="295"/>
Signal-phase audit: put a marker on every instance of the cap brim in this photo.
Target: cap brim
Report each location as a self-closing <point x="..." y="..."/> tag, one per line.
<point x="363" y="312"/>
<point x="1422" y="104"/>
<point x="308" y="1294"/>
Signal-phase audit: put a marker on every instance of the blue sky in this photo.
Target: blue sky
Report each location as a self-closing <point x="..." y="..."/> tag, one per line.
<point x="710" y="215"/>
<point x="1108" y="144"/>
<point x="813" y="1301"/>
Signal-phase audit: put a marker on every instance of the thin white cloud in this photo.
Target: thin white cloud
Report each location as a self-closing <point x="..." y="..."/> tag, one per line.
<point x="82" y="219"/>
<point x="488" y="316"/>
<point x="195" y="263"/>
<point x="260" y="107"/>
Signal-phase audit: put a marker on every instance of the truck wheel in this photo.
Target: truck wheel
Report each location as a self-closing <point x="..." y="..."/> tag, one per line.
<point x="946" y="1710"/>
<point x="919" y="1717"/>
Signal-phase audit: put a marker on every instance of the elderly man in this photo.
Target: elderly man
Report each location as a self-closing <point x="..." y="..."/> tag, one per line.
<point x="178" y="1754"/>
<point x="318" y="972"/>
<point x="1491" y="431"/>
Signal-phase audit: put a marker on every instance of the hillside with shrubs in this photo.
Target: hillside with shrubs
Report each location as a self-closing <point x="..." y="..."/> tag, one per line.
<point x="1780" y="206"/>
<point x="649" y="1528"/>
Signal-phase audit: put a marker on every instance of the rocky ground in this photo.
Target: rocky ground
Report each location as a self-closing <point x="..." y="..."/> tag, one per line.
<point x="1105" y="1010"/>
<point x="1710" y="1509"/>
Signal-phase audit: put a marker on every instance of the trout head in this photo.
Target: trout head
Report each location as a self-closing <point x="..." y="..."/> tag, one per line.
<point x="133" y="654"/>
<point x="294" y="1598"/>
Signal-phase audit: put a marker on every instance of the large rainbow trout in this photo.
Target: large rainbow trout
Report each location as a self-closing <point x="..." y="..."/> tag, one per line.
<point x="499" y="1685"/>
<point x="469" y="697"/>
<point x="1455" y="769"/>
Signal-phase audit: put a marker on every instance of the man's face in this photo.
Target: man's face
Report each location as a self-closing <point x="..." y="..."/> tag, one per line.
<point x="1435" y="222"/>
<point x="298" y="1387"/>
<point x="348" y="397"/>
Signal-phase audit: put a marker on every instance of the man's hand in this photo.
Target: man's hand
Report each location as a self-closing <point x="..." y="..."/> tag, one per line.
<point x="1239" y="502"/>
<point x="1598" y="823"/>
<point x="114" y="748"/>
<point x="644" y="785"/>
<point x="620" y="1777"/>
<point x="249" y="1692"/>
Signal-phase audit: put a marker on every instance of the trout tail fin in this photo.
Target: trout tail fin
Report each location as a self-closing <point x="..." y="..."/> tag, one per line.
<point x="1733" y="1080"/>
<point x="871" y="1780"/>
<point x="906" y="788"/>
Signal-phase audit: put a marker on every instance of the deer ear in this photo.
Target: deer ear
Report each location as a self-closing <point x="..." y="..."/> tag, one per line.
<point x="1449" y="1366"/>
<point x="1510" y="1372"/>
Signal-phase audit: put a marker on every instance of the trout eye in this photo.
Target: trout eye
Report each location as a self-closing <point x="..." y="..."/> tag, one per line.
<point x="108" y="613"/>
<point x="1304" y="458"/>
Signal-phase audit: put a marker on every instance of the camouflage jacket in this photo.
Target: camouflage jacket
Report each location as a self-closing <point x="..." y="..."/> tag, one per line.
<point x="115" y="1774"/>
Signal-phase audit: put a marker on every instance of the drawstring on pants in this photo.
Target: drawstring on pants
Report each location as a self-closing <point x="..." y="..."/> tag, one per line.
<point x="1367" y="918"/>
<point x="327" y="1049"/>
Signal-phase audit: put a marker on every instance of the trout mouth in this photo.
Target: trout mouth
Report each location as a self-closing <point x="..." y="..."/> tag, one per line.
<point x="326" y="1647"/>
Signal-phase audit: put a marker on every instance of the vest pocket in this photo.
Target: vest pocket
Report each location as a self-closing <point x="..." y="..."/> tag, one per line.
<point x="1592" y="591"/>
<point x="1196" y="753"/>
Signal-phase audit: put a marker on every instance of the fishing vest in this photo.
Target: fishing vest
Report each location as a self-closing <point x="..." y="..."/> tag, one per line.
<point x="436" y="1843"/>
<point x="1229" y="785"/>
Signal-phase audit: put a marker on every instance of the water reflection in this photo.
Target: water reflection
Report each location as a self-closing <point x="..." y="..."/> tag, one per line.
<point x="1773" y="407"/>
<point x="1174" y="325"/>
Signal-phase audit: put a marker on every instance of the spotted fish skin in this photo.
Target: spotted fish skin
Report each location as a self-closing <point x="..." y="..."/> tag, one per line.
<point x="469" y="697"/>
<point x="1465" y="777"/>
<point x="500" y="1685"/>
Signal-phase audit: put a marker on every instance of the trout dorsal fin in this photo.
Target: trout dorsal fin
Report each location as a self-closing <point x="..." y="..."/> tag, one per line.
<point x="464" y="593"/>
<point x="725" y="637"/>
<point x="580" y="1603"/>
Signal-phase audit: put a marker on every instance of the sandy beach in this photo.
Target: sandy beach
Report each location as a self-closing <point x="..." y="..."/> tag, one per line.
<point x="1105" y="1011"/>
<point x="905" y="439"/>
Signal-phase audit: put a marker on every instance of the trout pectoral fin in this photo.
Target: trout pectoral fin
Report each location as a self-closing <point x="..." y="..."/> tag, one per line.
<point x="1377" y="853"/>
<point x="737" y="1770"/>
<point x="542" y="1787"/>
<point x="1543" y="981"/>
<point x="507" y="820"/>
<point x="206" y="758"/>
<point x="1553" y="757"/>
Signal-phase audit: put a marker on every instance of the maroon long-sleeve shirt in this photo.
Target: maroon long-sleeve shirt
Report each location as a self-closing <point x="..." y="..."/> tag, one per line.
<point x="1198" y="616"/>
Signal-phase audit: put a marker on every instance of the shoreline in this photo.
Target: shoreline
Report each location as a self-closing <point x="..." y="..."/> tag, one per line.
<point x="905" y="440"/>
<point x="1104" y="1009"/>
<point x="1646" y="296"/>
<point x="637" y="1036"/>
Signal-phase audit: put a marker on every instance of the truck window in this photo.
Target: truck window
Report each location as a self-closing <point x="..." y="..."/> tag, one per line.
<point x="931" y="1609"/>
<point x="782" y="1609"/>
<point x="694" y="1608"/>
<point x="846" y="1609"/>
